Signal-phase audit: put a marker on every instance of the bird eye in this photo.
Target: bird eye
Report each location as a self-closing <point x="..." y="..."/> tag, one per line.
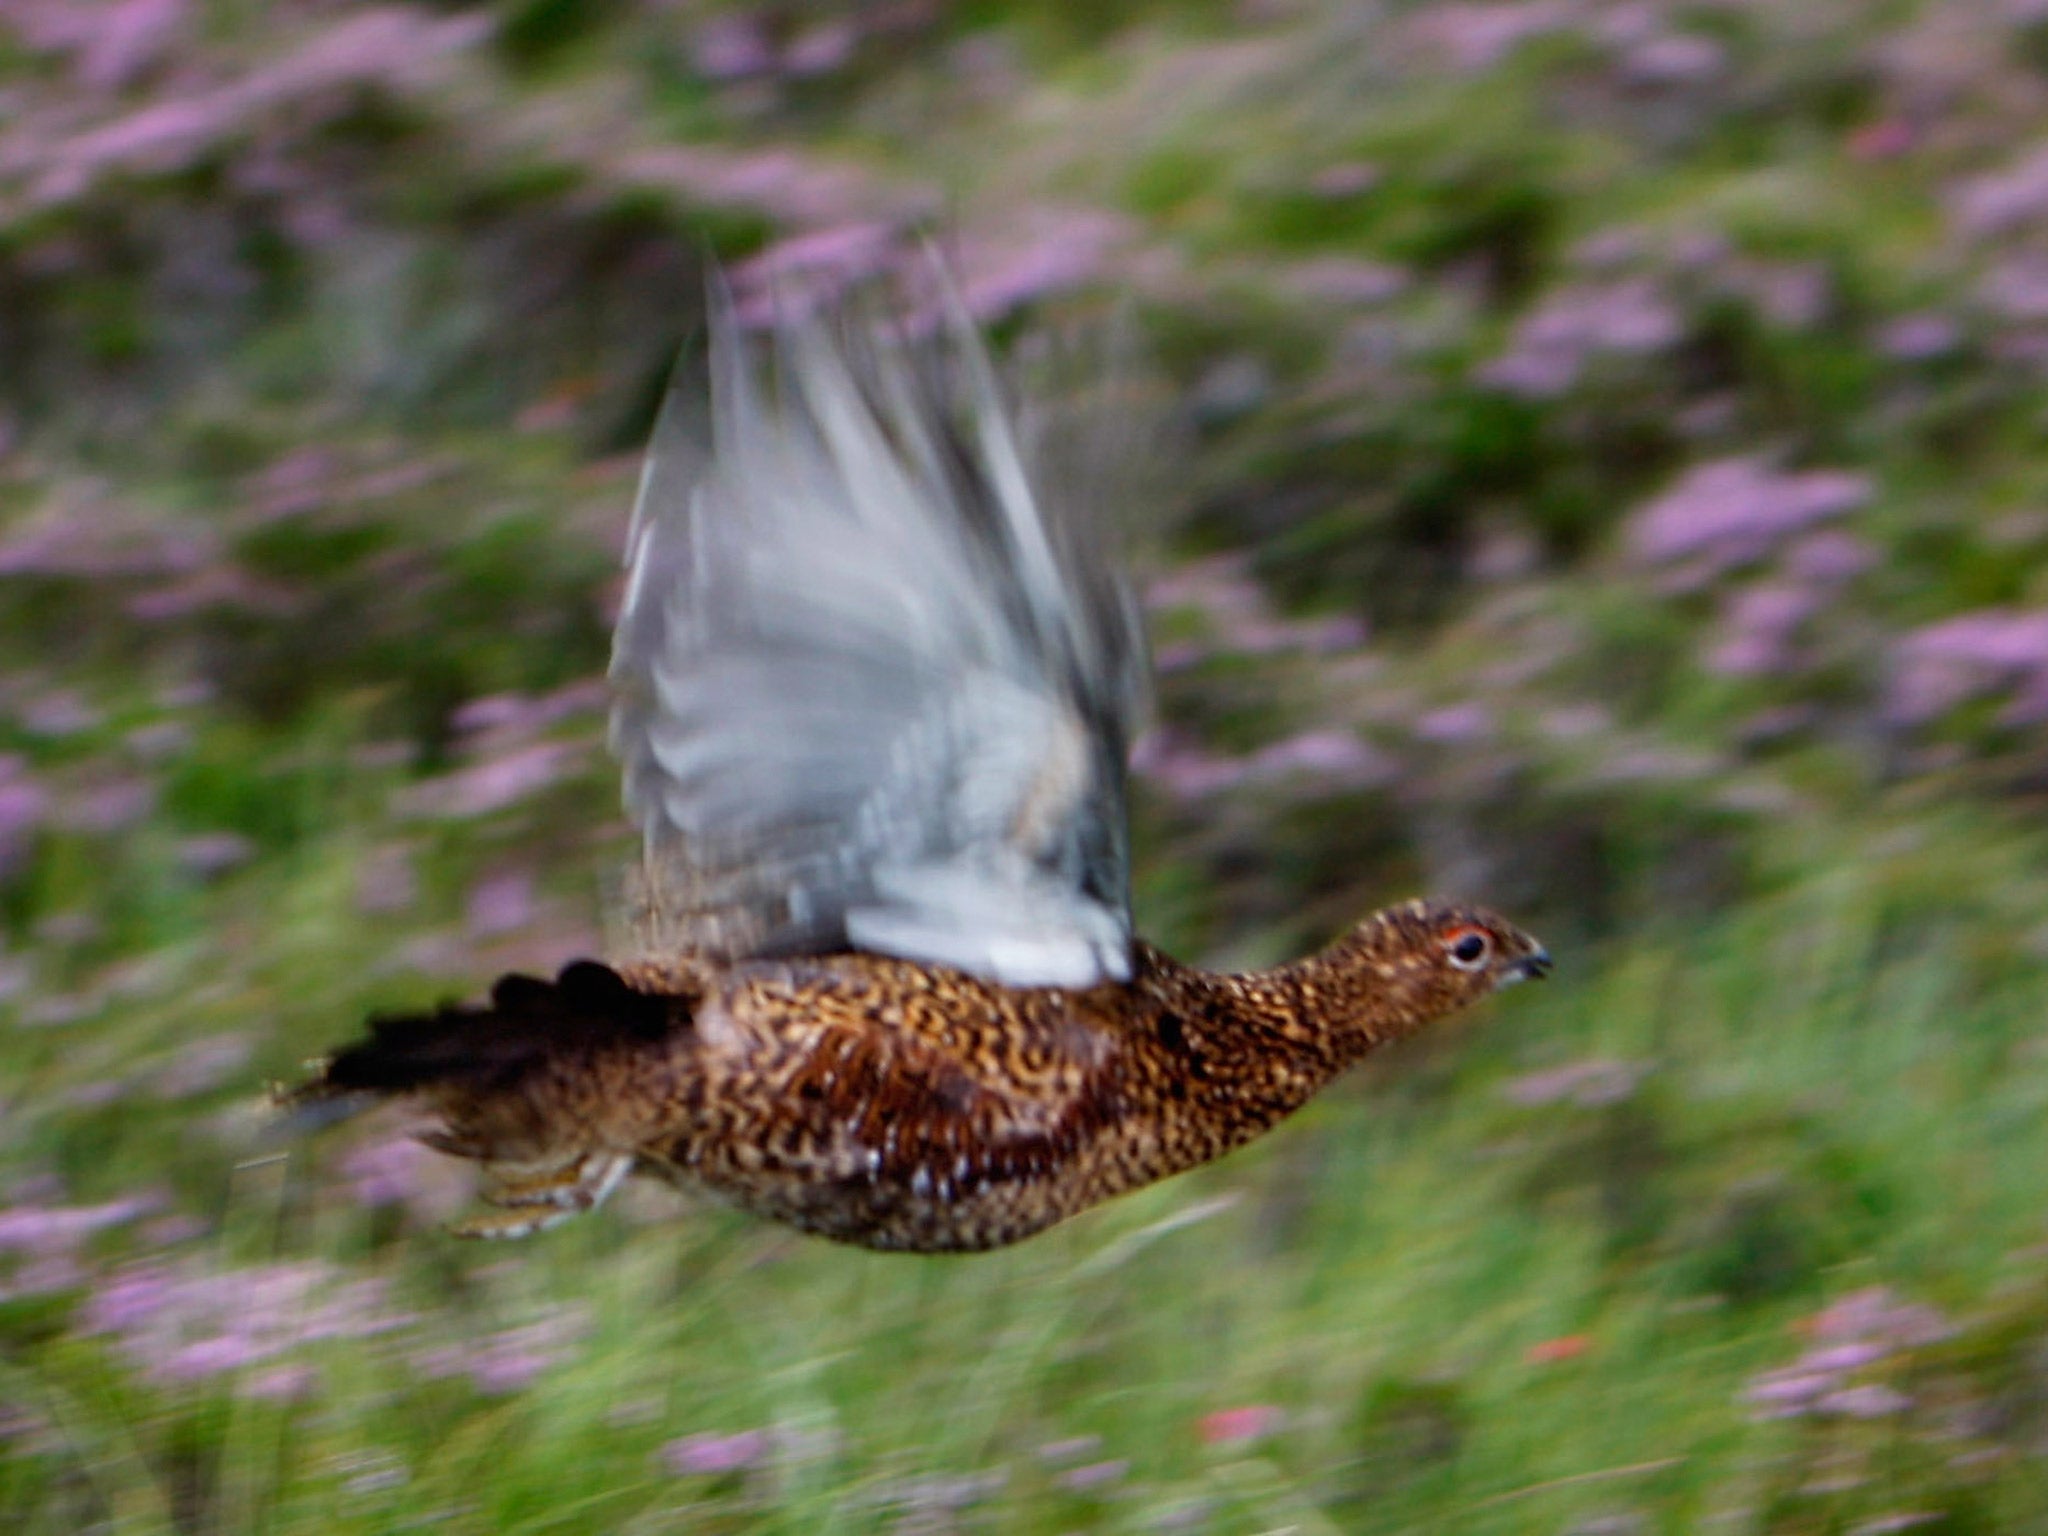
<point x="1468" y="948"/>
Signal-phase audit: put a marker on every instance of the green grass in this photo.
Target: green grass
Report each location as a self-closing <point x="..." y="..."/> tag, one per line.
<point x="1835" y="1087"/>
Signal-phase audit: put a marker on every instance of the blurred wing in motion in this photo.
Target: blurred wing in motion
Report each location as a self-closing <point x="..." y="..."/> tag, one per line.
<point x="872" y="693"/>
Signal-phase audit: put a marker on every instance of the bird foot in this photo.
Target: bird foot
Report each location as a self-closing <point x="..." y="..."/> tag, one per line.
<point x="530" y="1202"/>
<point x="442" y="1140"/>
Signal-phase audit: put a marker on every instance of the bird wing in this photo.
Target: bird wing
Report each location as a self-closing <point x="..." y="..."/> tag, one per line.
<point x="872" y="693"/>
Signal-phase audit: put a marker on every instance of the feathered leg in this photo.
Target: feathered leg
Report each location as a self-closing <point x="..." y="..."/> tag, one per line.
<point x="533" y="1199"/>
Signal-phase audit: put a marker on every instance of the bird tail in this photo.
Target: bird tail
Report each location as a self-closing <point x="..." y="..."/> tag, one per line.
<point x="486" y="1049"/>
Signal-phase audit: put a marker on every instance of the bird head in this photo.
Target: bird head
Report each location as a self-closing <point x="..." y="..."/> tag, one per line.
<point x="1475" y="943"/>
<point x="1418" y="961"/>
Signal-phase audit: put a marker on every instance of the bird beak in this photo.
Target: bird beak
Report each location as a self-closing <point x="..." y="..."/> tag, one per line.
<point x="1532" y="967"/>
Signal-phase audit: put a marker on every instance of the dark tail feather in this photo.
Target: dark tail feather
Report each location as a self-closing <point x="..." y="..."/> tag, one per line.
<point x="526" y="1021"/>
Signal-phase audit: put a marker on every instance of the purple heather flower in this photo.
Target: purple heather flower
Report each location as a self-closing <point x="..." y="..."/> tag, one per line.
<point x="46" y="1229"/>
<point x="184" y="1323"/>
<point x="212" y="1356"/>
<point x="1190" y="771"/>
<point x="1244" y="621"/>
<point x="1183" y="767"/>
<point x="731" y="47"/>
<point x="1757" y="629"/>
<point x="2016" y="288"/>
<point x="1063" y="249"/>
<point x="385" y="1172"/>
<point x="1675" y="58"/>
<point x="1858" y="1331"/>
<point x="1868" y="1401"/>
<point x="290" y="1381"/>
<point x="1937" y="667"/>
<point x="1788" y="1393"/>
<point x="126" y="39"/>
<point x="812" y="266"/>
<point x="493" y="785"/>
<point x="59" y="713"/>
<point x="1059" y="1452"/>
<point x="386" y="46"/>
<point x="1829" y="558"/>
<point x="1327" y="637"/>
<point x="173" y="1230"/>
<point x="1553" y="343"/>
<point x="517" y="717"/>
<point x="214" y="853"/>
<point x="1873" y="1313"/>
<point x="1335" y="755"/>
<point x="821" y="49"/>
<point x="1998" y="638"/>
<point x="1455" y="725"/>
<point x="1478" y="34"/>
<point x="509" y="1360"/>
<point x="1094" y="1478"/>
<point x="214" y="587"/>
<point x="1999" y="201"/>
<point x="714" y="1455"/>
<point x="1919" y="338"/>
<point x="1534" y="373"/>
<point x="1794" y="295"/>
<point x="129" y="1300"/>
<point x="113" y="806"/>
<point x="501" y="903"/>
<point x="509" y="1367"/>
<point x="1732" y="512"/>
<point x="298" y="482"/>
<point x="43" y="1275"/>
<point x="1843" y="1357"/>
<point x="386" y="882"/>
<point x="201" y="1066"/>
<point x="1609" y="249"/>
<point x="1342" y="280"/>
<point x="1179" y="655"/>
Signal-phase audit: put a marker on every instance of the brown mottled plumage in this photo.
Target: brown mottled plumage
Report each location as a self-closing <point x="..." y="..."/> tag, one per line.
<point x="902" y="1105"/>
<point x="887" y="990"/>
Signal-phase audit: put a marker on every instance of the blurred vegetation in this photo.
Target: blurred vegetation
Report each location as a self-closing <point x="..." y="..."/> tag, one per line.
<point x="1614" y="490"/>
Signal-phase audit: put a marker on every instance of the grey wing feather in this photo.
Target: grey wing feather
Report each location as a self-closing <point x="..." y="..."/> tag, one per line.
<point x="871" y="692"/>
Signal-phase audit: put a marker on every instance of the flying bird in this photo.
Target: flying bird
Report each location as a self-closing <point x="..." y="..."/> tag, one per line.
<point x="877" y="672"/>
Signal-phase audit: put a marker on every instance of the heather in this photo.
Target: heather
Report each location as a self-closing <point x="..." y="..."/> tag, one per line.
<point x="1605" y="478"/>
